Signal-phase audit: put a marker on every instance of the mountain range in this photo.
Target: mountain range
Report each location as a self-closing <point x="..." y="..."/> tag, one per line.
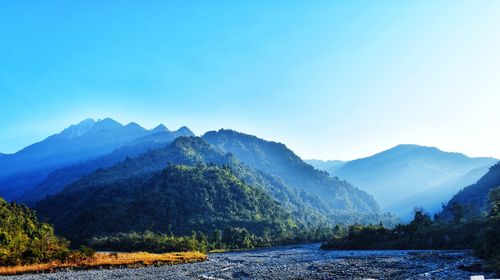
<point x="101" y="178"/>
<point x="409" y="176"/>
<point x="93" y="175"/>
<point x="127" y="188"/>
<point x="87" y="140"/>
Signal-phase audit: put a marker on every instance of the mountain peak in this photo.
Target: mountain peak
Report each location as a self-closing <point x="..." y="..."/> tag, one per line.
<point x="184" y="131"/>
<point x="79" y="129"/>
<point x="160" y="128"/>
<point x="106" y="124"/>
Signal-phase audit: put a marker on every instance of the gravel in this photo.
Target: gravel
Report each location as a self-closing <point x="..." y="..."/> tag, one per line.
<point x="297" y="262"/>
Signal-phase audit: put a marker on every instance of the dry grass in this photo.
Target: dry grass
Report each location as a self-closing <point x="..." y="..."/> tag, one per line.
<point x="106" y="260"/>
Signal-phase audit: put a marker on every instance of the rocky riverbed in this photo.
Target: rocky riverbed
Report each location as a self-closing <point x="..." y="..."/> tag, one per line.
<point x="297" y="262"/>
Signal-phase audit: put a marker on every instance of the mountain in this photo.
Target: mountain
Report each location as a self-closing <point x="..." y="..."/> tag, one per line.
<point x="277" y="160"/>
<point x="59" y="178"/>
<point x="120" y="182"/>
<point x="475" y="197"/>
<point x="330" y="166"/>
<point x="65" y="208"/>
<point x="78" y="143"/>
<point x="405" y="176"/>
<point x="183" y="198"/>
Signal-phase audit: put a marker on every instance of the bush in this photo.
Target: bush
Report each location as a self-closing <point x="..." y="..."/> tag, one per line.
<point x="87" y="252"/>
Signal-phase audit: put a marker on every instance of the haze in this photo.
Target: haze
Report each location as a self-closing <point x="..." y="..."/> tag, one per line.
<point x="332" y="80"/>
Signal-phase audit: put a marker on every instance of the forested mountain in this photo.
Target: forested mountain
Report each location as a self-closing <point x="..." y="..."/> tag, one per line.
<point x="179" y="198"/>
<point x="277" y="160"/>
<point x="59" y="178"/>
<point x="409" y="175"/>
<point x="330" y="166"/>
<point x="118" y="181"/>
<point x="78" y="143"/>
<point x="474" y="198"/>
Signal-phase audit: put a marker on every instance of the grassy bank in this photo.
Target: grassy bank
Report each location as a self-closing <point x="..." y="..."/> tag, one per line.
<point x="109" y="260"/>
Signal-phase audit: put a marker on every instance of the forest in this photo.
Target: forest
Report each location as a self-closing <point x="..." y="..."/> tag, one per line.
<point x="462" y="231"/>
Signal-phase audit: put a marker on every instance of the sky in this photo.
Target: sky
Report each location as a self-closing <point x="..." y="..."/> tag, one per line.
<point x="330" y="79"/>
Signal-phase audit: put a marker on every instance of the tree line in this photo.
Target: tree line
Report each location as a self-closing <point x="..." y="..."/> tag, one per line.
<point x="481" y="233"/>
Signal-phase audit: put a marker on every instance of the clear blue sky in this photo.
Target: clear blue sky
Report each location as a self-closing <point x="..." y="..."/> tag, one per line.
<point x="331" y="79"/>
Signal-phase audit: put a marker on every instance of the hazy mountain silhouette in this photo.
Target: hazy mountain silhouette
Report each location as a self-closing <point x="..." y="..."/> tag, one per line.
<point x="410" y="175"/>
<point x="59" y="178"/>
<point x="84" y="141"/>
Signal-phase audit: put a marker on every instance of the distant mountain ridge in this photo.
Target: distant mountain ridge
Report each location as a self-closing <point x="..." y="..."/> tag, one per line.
<point x="410" y="175"/>
<point x="58" y="179"/>
<point x="84" y="141"/>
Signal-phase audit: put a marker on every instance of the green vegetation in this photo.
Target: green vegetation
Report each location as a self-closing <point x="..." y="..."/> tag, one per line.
<point x="488" y="245"/>
<point x="179" y="199"/>
<point x="201" y="189"/>
<point x="24" y="240"/>
<point x="460" y="232"/>
<point x="230" y="238"/>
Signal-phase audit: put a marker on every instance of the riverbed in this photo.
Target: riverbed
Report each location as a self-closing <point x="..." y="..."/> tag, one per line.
<point x="297" y="262"/>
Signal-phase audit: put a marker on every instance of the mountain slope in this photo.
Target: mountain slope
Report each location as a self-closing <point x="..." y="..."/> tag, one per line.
<point x="180" y="197"/>
<point x="432" y="200"/>
<point x="405" y="171"/>
<point x="475" y="196"/>
<point x="190" y="151"/>
<point x="277" y="160"/>
<point x="59" y="178"/>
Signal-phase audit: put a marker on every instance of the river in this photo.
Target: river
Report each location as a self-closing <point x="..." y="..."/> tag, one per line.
<point x="297" y="262"/>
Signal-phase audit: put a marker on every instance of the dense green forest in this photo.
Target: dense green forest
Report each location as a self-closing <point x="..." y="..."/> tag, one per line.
<point x="94" y="205"/>
<point x="25" y="240"/>
<point x="460" y="232"/>
<point x="179" y="198"/>
<point x="228" y="239"/>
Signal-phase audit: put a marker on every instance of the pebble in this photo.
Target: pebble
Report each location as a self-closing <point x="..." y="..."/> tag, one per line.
<point x="296" y="262"/>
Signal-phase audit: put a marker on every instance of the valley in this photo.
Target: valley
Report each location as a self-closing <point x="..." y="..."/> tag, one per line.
<point x="254" y="140"/>
<point x="162" y="191"/>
